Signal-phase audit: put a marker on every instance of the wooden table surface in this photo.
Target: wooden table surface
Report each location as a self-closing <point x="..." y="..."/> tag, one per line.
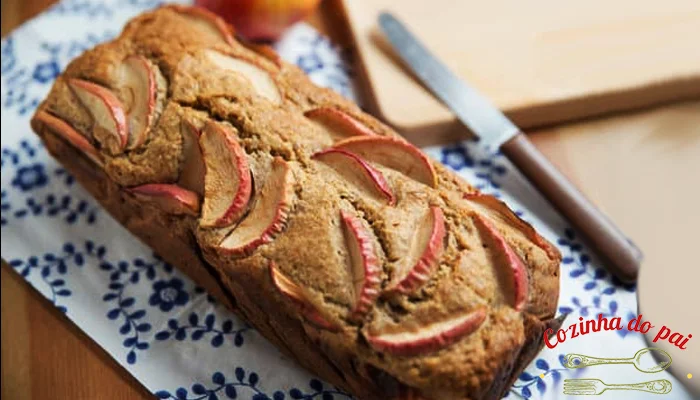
<point x="634" y="166"/>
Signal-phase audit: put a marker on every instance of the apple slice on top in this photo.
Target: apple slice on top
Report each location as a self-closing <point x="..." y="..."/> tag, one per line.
<point x="496" y="209"/>
<point x="72" y="136"/>
<point x="206" y="21"/>
<point x="193" y="170"/>
<point x="258" y="77"/>
<point x="506" y="257"/>
<point x="263" y="50"/>
<point x="429" y="338"/>
<point x="338" y="123"/>
<point x="227" y="178"/>
<point x="267" y="216"/>
<point x="296" y="294"/>
<point x="170" y="198"/>
<point x="363" y="263"/>
<point x="358" y="172"/>
<point x="139" y="78"/>
<point x="393" y="153"/>
<point x="423" y="256"/>
<point x="109" y="121"/>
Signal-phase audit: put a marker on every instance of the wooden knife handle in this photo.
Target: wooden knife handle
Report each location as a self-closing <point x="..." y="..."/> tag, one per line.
<point x="619" y="254"/>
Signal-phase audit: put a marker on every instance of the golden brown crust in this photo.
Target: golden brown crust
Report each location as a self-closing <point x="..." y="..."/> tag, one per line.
<point x="307" y="244"/>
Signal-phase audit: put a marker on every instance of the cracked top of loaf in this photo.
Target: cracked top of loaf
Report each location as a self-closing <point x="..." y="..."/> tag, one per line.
<point x="401" y="275"/>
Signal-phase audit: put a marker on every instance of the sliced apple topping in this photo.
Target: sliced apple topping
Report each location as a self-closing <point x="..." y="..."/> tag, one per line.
<point x="72" y="136"/>
<point x="364" y="266"/>
<point x="429" y="338"/>
<point x="423" y="255"/>
<point x="506" y="258"/>
<point x="263" y="50"/>
<point x="193" y="170"/>
<point x="109" y="121"/>
<point x="139" y="79"/>
<point x="258" y="77"/>
<point x="267" y="216"/>
<point x="393" y="153"/>
<point x="206" y="21"/>
<point x="491" y="206"/>
<point x="338" y="123"/>
<point x="227" y="178"/>
<point x="170" y="198"/>
<point x="298" y="297"/>
<point x="358" y="172"/>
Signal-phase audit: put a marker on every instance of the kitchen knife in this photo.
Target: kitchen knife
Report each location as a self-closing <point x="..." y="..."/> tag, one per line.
<point x="618" y="253"/>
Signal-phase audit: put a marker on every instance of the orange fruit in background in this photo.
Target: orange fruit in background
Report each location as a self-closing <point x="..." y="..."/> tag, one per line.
<point x="260" y="20"/>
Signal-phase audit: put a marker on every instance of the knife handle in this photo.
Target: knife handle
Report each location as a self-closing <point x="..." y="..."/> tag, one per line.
<point x="618" y="253"/>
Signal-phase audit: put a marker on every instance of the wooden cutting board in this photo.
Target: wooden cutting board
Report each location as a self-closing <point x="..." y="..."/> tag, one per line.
<point x="542" y="61"/>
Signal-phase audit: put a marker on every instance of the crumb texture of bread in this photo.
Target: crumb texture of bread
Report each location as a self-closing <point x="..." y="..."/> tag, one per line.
<point x="358" y="256"/>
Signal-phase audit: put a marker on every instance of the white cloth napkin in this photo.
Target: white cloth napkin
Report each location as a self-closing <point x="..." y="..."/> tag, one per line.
<point x="151" y="318"/>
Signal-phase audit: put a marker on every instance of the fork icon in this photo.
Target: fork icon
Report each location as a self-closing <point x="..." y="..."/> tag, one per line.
<point x="589" y="387"/>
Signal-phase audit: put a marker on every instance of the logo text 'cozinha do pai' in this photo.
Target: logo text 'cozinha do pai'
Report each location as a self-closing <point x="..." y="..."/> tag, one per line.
<point x="614" y="324"/>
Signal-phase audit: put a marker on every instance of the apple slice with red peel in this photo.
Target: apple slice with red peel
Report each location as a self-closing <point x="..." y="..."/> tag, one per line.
<point x="170" y="198"/>
<point x="267" y="216"/>
<point x="193" y="170"/>
<point x="227" y="178"/>
<point x="264" y="50"/>
<point x="207" y="21"/>
<point x="495" y="208"/>
<point x="72" y="136"/>
<point x="358" y="172"/>
<point x="259" y="78"/>
<point x="429" y="338"/>
<point x="393" y="153"/>
<point x="423" y="256"/>
<point x="506" y="257"/>
<point x="363" y="263"/>
<point x="296" y="295"/>
<point x="338" y="123"/>
<point x="110" y="127"/>
<point x="139" y="78"/>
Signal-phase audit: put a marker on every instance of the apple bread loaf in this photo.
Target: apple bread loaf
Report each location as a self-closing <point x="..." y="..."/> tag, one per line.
<point x="370" y="264"/>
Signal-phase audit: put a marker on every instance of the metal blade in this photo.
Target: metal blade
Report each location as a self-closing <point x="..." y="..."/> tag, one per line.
<point x="470" y="107"/>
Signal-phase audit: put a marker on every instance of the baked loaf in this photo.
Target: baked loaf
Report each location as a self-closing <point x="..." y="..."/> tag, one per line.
<point x="370" y="264"/>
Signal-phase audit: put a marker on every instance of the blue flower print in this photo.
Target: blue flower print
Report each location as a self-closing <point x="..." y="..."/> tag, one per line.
<point x="485" y="164"/>
<point x="46" y="72"/>
<point x="9" y="59"/>
<point x="456" y="157"/>
<point x="168" y="294"/>
<point x="30" y="177"/>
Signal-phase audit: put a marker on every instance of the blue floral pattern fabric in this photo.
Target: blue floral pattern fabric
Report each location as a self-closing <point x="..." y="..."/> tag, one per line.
<point x="168" y="294"/>
<point x="150" y="317"/>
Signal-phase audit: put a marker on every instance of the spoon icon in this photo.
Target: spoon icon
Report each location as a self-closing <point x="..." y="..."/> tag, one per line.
<point x="649" y="360"/>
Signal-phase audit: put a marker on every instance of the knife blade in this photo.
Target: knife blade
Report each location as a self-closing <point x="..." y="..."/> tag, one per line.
<point x="474" y="110"/>
<point x="488" y="123"/>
